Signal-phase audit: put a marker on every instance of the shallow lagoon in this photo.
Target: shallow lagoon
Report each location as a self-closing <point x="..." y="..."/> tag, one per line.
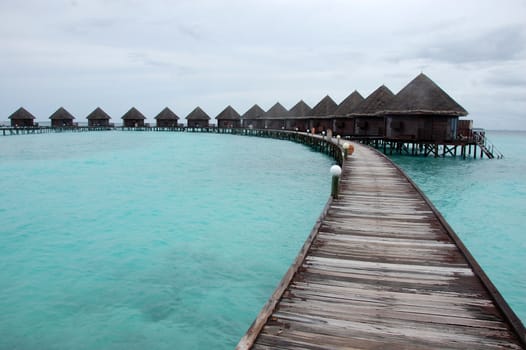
<point x="121" y="240"/>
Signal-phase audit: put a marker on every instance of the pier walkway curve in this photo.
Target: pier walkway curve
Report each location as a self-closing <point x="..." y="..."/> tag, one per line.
<point x="382" y="269"/>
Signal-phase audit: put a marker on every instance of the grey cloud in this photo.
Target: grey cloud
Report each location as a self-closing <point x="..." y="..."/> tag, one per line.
<point x="504" y="76"/>
<point x="167" y="67"/>
<point x="501" y="44"/>
<point x="90" y="25"/>
<point x="515" y="80"/>
<point x="147" y="60"/>
<point x="190" y="31"/>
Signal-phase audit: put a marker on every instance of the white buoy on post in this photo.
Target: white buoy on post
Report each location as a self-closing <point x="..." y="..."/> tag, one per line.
<point x="346" y="150"/>
<point x="335" y="171"/>
<point x="338" y="139"/>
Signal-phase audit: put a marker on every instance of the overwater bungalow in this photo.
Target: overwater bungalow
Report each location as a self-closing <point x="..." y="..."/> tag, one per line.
<point x="368" y="117"/>
<point x="252" y="117"/>
<point x="275" y="117"/>
<point x="297" y="117"/>
<point x="21" y="117"/>
<point x="343" y="123"/>
<point x="422" y="111"/>
<point x="98" y="118"/>
<point x="197" y="119"/>
<point x="321" y="115"/>
<point x="61" y="118"/>
<point x="228" y="118"/>
<point x="133" y="118"/>
<point x="166" y="119"/>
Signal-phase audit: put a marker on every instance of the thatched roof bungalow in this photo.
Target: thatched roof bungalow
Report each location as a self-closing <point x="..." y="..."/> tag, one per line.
<point x="343" y="123"/>
<point x="98" y="118"/>
<point x="61" y="118"/>
<point x="368" y="118"/>
<point x="133" y="118"/>
<point x="197" y="119"/>
<point x="166" y="119"/>
<point x="275" y="117"/>
<point x="252" y="117"/>
<point x="21" y="117"/>
<point x="228" y="118"/>
<point x="321" y="115"/>
<point x="422" y="111"/>
<point x="298" y="117"/>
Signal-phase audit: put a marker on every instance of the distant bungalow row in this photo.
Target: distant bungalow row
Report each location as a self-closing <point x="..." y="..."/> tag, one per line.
<point x="421" y="111"/>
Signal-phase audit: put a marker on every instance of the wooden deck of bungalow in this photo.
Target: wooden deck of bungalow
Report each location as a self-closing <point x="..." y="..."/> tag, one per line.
<point x="383" y="270"/>
<point x="466" y="148"/>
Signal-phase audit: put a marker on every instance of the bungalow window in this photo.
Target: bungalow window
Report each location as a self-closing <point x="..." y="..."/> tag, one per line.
<point x="397" y="125"/>
<point x="362" y="124"/>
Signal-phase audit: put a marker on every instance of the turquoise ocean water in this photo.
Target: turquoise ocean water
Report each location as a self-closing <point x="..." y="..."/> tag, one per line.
<point x="485" y="203"/>
<point x="118" y="240"/>
<point x="122" y="240"/>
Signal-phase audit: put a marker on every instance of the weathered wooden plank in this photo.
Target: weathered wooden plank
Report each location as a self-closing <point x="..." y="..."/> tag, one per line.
<point x="421" y="331"/>
<point x="384" y="313"/>
<point x="377" y="337"/>
<point x="408" y="283"/>
<point x="461" y="304"/>
<point x="352" y="239"/>
<point x="384" y="266"/>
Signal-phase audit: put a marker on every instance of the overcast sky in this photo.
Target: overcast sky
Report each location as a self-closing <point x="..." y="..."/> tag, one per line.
<point x="116" y="54"/>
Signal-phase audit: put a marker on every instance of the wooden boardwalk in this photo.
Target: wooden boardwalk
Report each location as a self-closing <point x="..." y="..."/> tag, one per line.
<point x="383" y="270"/>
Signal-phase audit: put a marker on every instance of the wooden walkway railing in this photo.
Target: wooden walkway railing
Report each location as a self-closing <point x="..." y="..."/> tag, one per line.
<point x="383" y="270"/>
<point x="8" y="131"/>
<point x="467" y="147"/>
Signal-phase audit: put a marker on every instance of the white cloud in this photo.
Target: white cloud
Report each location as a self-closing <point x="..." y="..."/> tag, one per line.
<point x="118" y="54"/>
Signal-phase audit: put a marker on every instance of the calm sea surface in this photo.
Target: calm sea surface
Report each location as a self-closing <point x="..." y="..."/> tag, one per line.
<point x="485" y="203"/>
<point x="118" y="240"/>
<point x="121" y="240"/>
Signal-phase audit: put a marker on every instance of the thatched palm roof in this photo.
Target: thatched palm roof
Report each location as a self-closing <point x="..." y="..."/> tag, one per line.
<point x="167" y="114"/>
<point x="61" y="114"/>
<point x="325" y="107"/>
<point x="374" y="103"/>
<point x="350" y="104"/>
<point x="300" y="110"/>
<point x="276" y="112"/>
<point x="133" y="114"/>
<point x="197" y="114"/>
<point x="21" y="113"/>
<point x="423" y="96"/>
<point x="98" y="114"/>
<point x="255" y="112"/>
<point x="228" y="113"/>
